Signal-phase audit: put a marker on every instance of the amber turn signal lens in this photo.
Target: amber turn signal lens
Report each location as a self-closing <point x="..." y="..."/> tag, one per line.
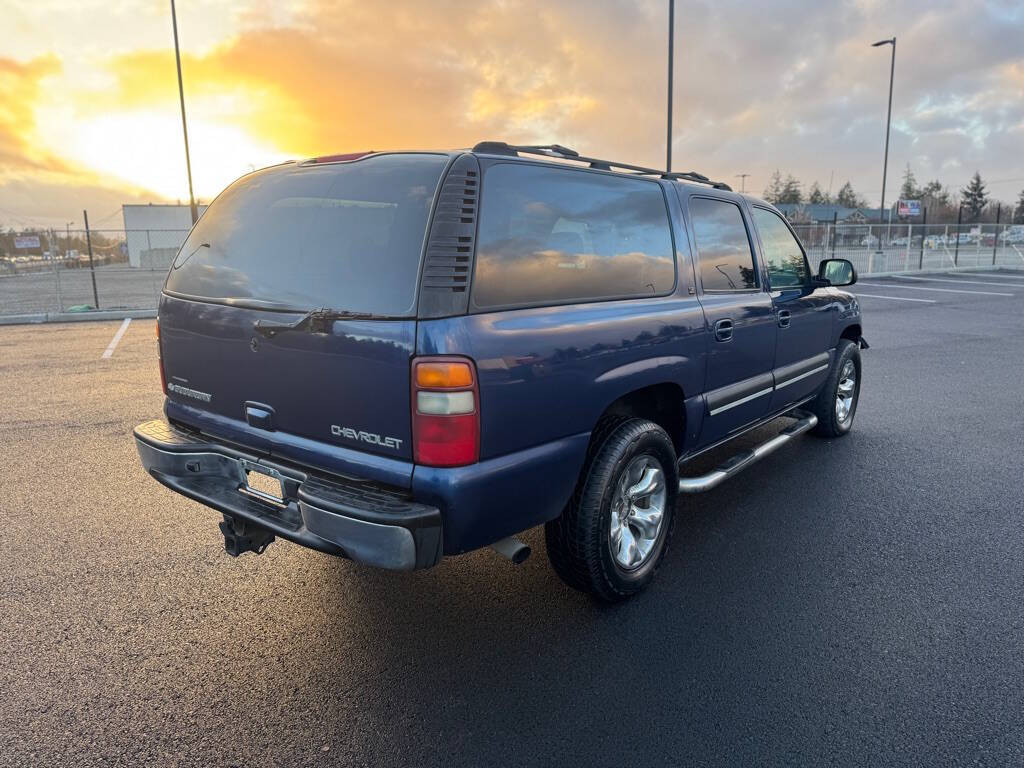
<point x="443" y="375"/>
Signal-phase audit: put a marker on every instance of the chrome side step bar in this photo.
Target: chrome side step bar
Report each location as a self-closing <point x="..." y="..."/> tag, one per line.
<point x="741" y="461"/>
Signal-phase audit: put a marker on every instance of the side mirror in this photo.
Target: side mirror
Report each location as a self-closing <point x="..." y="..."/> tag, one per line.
<point x="837" y="272"/>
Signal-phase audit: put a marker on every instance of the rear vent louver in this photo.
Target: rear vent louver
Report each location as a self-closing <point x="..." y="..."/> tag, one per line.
<point x="444" y="287"/>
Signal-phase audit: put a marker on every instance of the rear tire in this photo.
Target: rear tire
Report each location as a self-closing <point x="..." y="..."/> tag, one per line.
<point x="613" y="534"/>
<point x="836" y="404"/>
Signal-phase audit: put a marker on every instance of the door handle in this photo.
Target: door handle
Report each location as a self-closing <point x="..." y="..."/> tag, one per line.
<point x="723" y="330"/>
<point x="784" y="317"/>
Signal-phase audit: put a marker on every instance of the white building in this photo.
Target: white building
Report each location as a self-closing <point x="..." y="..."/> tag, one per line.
<point x="155" y="232"/>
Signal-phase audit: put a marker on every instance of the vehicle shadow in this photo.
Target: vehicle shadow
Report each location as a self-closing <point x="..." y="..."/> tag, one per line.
<point x="490" y="659"/>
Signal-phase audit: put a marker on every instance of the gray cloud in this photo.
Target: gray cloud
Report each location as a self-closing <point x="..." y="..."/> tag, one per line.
<point x="792" y="84"/>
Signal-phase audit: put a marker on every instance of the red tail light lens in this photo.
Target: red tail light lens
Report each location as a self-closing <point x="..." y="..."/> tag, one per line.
<point x="445" y="412"/>
<point x="160" y="359"/>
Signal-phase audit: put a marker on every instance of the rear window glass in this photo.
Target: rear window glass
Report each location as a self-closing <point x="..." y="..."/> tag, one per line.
<point x="342" y="236"/>
<point x="553" y="235"/>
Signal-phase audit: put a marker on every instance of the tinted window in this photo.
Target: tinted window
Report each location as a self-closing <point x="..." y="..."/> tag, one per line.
<point x="726" y="263"/>
<point x="551" y="235"/>
<point x="342" y="236"/>
<point x="783" y="257"/>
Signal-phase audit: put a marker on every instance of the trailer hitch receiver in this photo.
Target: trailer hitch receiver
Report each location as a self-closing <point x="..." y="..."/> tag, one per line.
<point x="241" y="536"/>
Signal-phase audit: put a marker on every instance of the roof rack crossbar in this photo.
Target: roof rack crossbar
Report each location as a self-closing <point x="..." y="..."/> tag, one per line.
<point x="558" y="151"/>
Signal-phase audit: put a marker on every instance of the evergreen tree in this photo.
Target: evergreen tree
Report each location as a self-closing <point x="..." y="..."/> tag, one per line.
<point x="773" y="192"/>
<point x="815" y="196"/>
<point x="938" y="201"/>
<point x="974" y="197"/>
<point x="909" y="190"/>
<point x="935" y="194"/>
<point x="791" y="192"/>
<point x="848" y="197"/>
<point x="1018" y="213"/>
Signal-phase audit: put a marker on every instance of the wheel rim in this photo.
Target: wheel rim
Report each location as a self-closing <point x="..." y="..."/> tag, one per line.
<point x="638" y="512"/>
<point x="846" y="392"/>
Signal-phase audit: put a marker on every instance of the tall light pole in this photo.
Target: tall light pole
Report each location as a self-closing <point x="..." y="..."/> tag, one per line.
<point x="671" y="47"/>
<point x="184" y="125"/>
<point x="743" y="181"/>
<point x="888" y="119"/>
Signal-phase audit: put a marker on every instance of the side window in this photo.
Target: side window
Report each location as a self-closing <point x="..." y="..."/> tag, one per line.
<point x="726" y="261"/>
<point x="554" y="235"/>
<point x="782" y="254"/>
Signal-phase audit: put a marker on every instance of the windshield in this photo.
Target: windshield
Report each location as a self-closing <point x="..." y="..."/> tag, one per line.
<point x="345" y="236"/>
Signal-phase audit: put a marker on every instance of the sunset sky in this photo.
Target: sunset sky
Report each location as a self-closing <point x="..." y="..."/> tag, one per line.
<point x="89" y="102"/>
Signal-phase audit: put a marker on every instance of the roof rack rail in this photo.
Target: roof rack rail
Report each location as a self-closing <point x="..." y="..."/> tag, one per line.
<point x="564" y="153"/>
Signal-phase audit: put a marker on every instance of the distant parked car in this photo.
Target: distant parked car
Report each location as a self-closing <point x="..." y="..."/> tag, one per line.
<point x="870" y="241"/>
<point x="1014" y="234"/>
<point x="905" y="241"/>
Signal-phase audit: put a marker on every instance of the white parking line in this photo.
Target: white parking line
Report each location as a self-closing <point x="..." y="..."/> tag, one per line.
<point x="996" y="274"/>
<point x="941" y="290"/>
<point x="117" y="337"/>
<point x="895" y="298"/>
<point x="946" y="280"/>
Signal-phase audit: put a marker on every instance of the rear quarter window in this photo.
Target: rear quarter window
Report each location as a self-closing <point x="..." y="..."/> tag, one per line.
<point x="559" y="235"/>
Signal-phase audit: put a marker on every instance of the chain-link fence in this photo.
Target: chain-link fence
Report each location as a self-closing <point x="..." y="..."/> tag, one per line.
<point x="128" y="267"/>
<point x="880" y="248"/>
<point x="126" y="272"/>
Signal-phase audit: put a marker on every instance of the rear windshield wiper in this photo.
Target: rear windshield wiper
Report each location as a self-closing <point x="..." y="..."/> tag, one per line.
<point x="316" y="321"/>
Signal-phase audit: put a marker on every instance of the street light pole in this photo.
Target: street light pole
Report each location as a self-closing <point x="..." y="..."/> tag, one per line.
<point x="184" y="125"/>
<point x="671" y="48"/>
<point x="888" y="120"/>
<point x="743" y="181"/>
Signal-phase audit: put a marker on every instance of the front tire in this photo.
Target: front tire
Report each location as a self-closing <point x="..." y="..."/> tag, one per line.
<point x="612" y="536"/>
<point x="836" y="404"/>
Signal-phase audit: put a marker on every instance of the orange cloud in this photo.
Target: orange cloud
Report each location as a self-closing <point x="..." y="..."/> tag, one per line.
<point x="19" y="83"/>
<point x="381" y="77"/>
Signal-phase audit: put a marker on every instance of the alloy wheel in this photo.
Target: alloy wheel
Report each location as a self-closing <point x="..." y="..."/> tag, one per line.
<point x="638" y="512"/>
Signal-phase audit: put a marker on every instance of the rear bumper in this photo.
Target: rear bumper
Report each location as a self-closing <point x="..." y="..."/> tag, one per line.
<point x="364" y="521"/>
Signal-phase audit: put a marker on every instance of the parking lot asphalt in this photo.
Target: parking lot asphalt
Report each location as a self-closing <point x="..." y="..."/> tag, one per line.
<point x="849" y="602"/>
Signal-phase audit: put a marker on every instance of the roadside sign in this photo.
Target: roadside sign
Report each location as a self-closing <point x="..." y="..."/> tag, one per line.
<point x="908" y="208"/>
<point x="26" y="241"/>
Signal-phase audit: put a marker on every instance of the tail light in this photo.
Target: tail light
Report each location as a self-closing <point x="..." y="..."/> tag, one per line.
<point x="445" y="411"/>
<point x="160" y="359"/>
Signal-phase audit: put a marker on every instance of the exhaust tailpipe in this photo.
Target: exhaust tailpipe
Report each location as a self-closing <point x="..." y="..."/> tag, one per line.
<point x="513" y="549"/>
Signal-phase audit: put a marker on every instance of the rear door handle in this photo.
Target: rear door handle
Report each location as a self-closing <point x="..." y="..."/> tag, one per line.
<point x="723" y="330"/>
<point x="784" y="317"/>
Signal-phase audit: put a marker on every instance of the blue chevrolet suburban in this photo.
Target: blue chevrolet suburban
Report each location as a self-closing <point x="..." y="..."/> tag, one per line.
<point x="398" y="356"/>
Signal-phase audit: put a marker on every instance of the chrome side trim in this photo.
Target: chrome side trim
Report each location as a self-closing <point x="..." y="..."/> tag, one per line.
<point x="741" y="461"/>
<point x="788" y="409"/>
<point x="741" y="401"/>
<point x="795" y="379"/>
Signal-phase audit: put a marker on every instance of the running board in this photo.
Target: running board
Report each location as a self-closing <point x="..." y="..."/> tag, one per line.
<point x="741" y="461"/>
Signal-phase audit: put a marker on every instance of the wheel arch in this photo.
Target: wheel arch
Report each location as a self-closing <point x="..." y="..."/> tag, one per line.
<point x="852" y="332"/>
<point x="661" y="402"/>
